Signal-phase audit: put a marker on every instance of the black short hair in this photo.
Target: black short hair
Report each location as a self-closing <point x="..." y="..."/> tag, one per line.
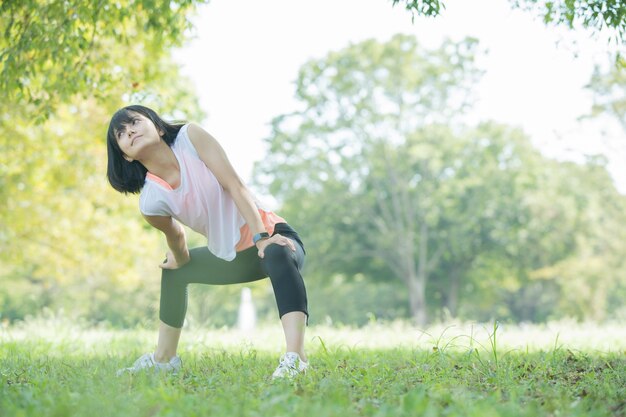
<point x="129" y="177"/>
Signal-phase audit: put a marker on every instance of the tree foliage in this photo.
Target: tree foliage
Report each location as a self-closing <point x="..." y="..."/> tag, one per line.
<point x="66" y="238"/>
<point x="386" y="182"/>
<point x="358" y="102"/>
<point x="53" y="50"/>
<point x="423" y="7"/>
<point x="609" y="90"/>
<point x="597" y="15"/>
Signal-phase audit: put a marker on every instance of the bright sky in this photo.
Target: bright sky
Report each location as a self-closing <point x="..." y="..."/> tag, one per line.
<point x="246" y="54"/>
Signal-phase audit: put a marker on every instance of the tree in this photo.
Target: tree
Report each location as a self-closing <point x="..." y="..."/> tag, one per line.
<point x="597" y="15"/>
<point x="593" y="278"/>
<point x="489" y="175"/>
<point x="361" y="102"/>
<point x="64" y="238"/>
<point x="64" y="231"/>
<point x="385" y="180"/>
<point x="54" y="50"/>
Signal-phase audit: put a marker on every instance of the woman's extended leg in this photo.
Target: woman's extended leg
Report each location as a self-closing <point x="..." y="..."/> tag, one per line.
<point x="204" y="268"/>
<point x="167" y="344"/>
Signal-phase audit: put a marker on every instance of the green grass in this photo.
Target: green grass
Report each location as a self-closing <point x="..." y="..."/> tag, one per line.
<point x="49" y="369"/>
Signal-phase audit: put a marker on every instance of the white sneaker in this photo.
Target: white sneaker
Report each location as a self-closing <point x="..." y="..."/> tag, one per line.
<point x="290" y="365"/>
<point x="146" y="362"/>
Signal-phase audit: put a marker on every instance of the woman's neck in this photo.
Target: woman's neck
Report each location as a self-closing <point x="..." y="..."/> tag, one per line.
<point x="163" y="163"/>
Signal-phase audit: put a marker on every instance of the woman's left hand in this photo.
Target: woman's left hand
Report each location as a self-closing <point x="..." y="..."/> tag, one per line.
<point x="278" y="239"/>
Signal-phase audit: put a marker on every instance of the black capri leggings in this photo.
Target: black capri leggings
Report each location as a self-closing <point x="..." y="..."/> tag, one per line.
<point x="280" y="263"/>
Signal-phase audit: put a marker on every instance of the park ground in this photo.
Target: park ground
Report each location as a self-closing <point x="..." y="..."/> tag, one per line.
<point x="54" y="367"/>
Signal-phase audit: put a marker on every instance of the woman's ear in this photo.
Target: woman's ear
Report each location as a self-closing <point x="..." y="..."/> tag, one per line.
<point x="128" y="158"/>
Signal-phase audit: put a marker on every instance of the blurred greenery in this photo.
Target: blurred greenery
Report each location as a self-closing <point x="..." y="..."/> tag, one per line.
<point x="609" y="90"/>
<point x="406" y="210"/>
<point x="64" y="233"/>
<point x="386" y="181"/>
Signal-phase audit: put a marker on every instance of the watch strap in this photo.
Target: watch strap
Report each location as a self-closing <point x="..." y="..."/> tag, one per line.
<point x="260" y="236"/>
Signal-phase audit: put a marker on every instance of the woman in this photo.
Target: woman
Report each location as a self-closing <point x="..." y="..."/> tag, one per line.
<point x="183" y="176"/>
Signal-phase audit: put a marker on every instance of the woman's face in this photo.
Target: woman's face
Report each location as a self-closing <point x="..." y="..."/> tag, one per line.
<point x="136" y="136"/>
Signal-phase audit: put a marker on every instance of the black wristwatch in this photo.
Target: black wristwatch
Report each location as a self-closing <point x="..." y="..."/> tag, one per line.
<point x="260" y="236"/>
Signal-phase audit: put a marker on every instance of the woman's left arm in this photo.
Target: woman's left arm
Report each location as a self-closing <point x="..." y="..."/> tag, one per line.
<point x="214" y="157"/>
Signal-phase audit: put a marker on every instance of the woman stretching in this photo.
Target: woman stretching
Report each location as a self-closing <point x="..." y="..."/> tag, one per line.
<point x="183" y="175"/>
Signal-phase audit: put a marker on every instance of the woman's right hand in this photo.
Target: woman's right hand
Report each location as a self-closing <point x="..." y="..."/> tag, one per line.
<point x="171" y="263"/>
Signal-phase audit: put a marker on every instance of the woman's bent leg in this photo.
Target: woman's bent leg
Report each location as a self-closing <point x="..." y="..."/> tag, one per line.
<point x="283" y="266"/>
<point x="294" y="325"/>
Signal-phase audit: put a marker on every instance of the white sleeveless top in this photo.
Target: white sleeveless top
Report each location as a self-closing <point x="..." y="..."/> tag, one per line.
<point x="199" y="202"/>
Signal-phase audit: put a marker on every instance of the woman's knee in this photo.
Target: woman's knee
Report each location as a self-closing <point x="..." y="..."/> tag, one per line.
<point x="277" y="254"/>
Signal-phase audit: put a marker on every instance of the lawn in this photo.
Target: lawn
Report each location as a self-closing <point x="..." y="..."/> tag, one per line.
<point x="56" y="368"/>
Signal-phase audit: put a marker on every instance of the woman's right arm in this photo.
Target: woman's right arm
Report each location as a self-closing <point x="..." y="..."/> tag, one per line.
<point x="178" y="254"/>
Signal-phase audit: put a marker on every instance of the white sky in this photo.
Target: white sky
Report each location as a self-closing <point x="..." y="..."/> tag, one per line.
<point x="245" y="56"/>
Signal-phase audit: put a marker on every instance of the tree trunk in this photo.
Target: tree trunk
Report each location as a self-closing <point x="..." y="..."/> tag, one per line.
<point x="402" y="261"/>
<point x="417" y="299"/>
<point x="399" y="216"/>
<point x="417" y="281"/>
<point x="452" y="300"/>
